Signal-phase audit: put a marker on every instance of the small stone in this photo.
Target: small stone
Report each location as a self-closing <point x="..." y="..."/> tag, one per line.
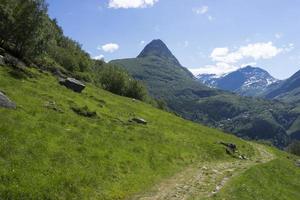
<point x="139" y="121"/>
<point x="298" y="163"/>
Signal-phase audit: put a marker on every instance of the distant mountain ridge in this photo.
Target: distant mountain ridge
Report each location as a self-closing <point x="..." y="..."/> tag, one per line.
<point x="168" y="80"/>
<point x="247" y="81"/>
<point x="287" y="91"/>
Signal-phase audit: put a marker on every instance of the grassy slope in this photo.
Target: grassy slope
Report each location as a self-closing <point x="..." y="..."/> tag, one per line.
<point x="45" y="154"/>
<point x="275" y="180"/>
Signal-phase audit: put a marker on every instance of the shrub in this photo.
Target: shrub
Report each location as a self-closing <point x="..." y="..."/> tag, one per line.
<point x="84" y="111"/>
<point x="136" y="89"/>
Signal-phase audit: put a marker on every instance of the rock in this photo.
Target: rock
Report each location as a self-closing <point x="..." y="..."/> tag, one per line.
<point x="72" y="84"/>
<point x="298" y="163"/>
<point x="13" y="61"/>
<point x="139" y="121"/>
<point x="2" y="62"/>
<point x="231" y="146"/>
<point x="5" y="102"/>
<point x="2" y="51"/>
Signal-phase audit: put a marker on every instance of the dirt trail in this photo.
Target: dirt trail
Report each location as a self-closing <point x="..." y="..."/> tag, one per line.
<point x="204" y="180"/>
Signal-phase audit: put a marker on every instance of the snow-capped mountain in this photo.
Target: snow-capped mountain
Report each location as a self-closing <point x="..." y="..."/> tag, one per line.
<point x="247" y="81"/>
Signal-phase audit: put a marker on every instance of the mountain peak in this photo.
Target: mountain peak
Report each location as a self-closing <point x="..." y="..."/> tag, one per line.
<point x="158" y="48"/>
<point x="248" y="81"/>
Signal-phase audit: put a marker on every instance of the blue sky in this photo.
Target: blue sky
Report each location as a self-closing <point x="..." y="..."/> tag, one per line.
<point x="207" y="36"/>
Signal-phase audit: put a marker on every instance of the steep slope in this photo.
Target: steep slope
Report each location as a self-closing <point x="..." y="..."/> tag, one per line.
<point x="247" y="81"/>
<point x="50" y="147"/>
<point x="246" y="117"/>
<point x="288" y="90"/>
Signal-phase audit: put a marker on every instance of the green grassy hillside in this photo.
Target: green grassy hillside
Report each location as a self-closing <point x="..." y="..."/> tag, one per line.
<point x="276" y="180"/>
<point x="49" y="151"/>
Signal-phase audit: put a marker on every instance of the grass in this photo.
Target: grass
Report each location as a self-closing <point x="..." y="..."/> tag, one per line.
<point x="275" y="180"/>
<point x="48" y="151"/>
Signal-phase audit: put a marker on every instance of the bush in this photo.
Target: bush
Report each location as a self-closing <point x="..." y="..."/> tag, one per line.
<point x="136" y="89"/>
<point x="113" y="79"/>
<point x="84" y="111"/>
<point x="118" y="81"/>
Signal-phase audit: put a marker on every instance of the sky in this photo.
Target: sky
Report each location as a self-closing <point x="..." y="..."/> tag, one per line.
<point x="207" y="36"/>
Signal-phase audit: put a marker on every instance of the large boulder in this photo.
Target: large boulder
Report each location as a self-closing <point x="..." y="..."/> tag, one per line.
<point x="5" y="102"/>
<point x="72" y="84"/>
<point x="14" y="61"/>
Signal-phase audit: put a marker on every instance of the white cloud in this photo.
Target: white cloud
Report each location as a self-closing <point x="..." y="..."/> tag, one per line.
<point x="131" y="3"/>
<point x="110" y="47"/>
<point x="201" y="10"/>
<point x="217" y="69"/>
<point x="227" y="60"/>
<point x="289" y="47"/>
<point x="256" y="51"/>
<point x="100" y="57"/>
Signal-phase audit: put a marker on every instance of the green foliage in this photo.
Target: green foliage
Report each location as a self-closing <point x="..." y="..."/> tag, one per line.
<point x="117" y="80"/>
<point x="136" y="89"/>
<point x="24" y="27"/>
<point x="48" y="151"/>
<point x="27" y="31"/>
<point x="84" y="111"/>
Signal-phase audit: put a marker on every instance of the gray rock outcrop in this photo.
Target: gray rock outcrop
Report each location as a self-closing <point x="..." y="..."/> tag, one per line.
<point x="5" y="102"/>
<point x="73" y="84"/>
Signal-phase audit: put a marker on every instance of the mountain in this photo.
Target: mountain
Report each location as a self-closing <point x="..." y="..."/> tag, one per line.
<point x="247" y="81"/>
<point x="246" y="117"/>
<point x="159" y="49"/>
<point x="287" y="91"/>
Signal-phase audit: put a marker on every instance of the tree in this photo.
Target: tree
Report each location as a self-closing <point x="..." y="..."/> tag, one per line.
<point x="136" y="89"/>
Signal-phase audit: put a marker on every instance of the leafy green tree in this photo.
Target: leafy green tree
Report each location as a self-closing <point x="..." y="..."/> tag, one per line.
<point x="136" y="89"/>
<point x="113" y="79"/>
<point x="7" y="21"/>
<point x="30" y="17"/>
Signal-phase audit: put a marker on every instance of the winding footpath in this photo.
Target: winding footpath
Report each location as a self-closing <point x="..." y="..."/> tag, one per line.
<point x="204" y="180"/>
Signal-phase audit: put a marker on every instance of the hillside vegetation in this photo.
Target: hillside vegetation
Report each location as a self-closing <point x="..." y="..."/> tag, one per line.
<point x="27" y="34"/>
<point x="247" y="117"/>
<point x="49" y="151"/>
